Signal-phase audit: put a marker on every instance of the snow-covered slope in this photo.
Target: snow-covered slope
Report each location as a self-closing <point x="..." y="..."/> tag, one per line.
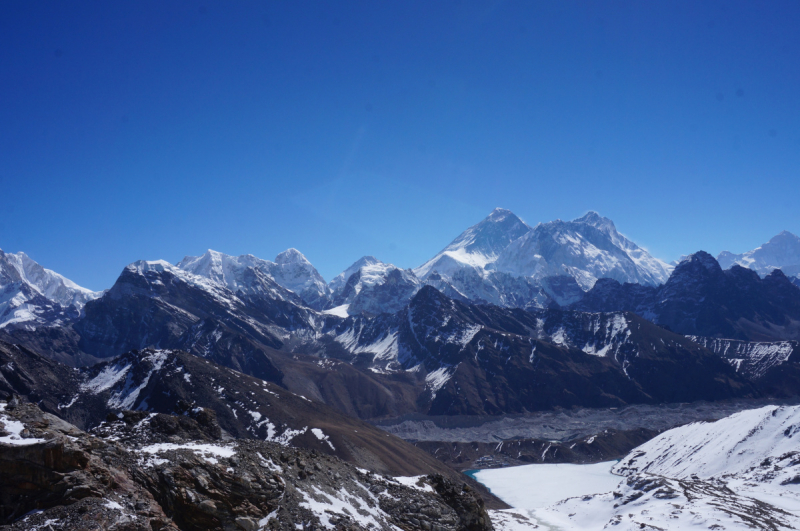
<point x="372" y="287"/>
<point x="760" y="445"/>
<point x="781" y="252"/>
<point x="31" y="295"/>
<point x="740" y="472"/>
<point x="477" y="246"/>
<point x="290" y="270"/>
<point x="750" y="358"/>
<point x="503" y="261"/>
<point x="587" y="249"/>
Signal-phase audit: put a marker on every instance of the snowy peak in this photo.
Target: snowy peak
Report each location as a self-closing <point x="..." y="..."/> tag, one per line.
<point x="596" y="220"/>
<point x="372" y="271"/>
<point x="587" y="249"/>
<point x="31" y="295"/>
<point x="780" y="252"/>
<point x="143" y="266"/>
<point x="372" y="287"/>
<point x="48" y="283"/>
<point x="477" y="246"/>
<point x="291" y="270"/>
<point x="291" y="256"/>
<point x="211" y="264"/>
<point x="294" y="272"/>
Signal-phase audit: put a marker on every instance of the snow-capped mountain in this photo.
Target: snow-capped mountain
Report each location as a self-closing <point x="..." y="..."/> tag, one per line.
<point x="31" y="295"/>
<point x="781" y="252"/>
<point x="740" y="472"/>
<point x="503" y="261"/>
<point x="477" y="246"/>
<point x="587" y="249"/>
<point x="372" y="287"/>
<point x="156" y="304"/>
<point x="290" y="270"/>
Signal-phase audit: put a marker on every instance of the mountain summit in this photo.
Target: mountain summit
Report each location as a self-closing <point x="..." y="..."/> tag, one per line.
<point x="31" y="295"/>
<point x="781" y="252"/>
<point x="585" y="249"/>
<point x="291" y="270"/>
<point x="477" y="246"/>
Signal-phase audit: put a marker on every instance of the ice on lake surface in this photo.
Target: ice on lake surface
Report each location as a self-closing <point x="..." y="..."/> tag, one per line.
<point x="537" y="486"/>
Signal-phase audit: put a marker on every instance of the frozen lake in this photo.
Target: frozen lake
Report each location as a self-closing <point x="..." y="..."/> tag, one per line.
<point x="533" y="487"/>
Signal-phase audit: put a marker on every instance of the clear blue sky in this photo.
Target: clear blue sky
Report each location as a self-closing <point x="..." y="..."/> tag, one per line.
<point x="145" y="130"/>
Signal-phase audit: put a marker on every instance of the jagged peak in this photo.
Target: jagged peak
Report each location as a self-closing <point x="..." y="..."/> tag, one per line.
<point x="596" y="220"/>
<point x="426" y="293"/>
<point x="500" y="214"/>
<point x="784" y="236"/>
<point x="777" y="274"/>
<point x="291" y="256"/>
<point x="704" y="259"/>
<point x="367" y="260"/>
<point x="142" y="266"/>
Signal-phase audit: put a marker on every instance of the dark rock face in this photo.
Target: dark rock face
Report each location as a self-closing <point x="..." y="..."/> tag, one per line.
<point x="701" y="299"/>
<point x="127" y="477"/>
<point x="470" y="508"/>
<point x="155" y="308"/>
<point x="205" y="397"/>
<point x="66" y="468"/>
<point x="486" y="360"/>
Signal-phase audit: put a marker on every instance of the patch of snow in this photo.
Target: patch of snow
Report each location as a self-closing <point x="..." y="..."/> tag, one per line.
<point x="339" y="311"/>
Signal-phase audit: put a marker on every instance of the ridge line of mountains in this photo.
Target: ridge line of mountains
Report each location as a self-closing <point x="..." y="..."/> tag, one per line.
<point x="501" y="261"/>
<point x="506" y="319"/>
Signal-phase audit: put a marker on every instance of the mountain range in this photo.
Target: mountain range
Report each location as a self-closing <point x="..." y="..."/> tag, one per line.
<point x="225" y="358"/>
<point x="503" y="303"/>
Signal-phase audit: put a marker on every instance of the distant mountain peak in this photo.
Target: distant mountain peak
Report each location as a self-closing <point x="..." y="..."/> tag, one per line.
<point x="28" y="292"/>
<point x="499" y="214"/>
<point x="291" y="256"/>
<point x="785" y="236"/>
<point x="782" y="251"/>
<point x="596" y="220"/>
<point x="142" y="266"/>
<point x="477" y="246"/>
<point x="704" y="259"/>
<point x="291" y="270"/>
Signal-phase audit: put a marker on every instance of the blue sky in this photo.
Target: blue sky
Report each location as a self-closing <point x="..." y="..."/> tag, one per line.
<point x="145" y="130"/>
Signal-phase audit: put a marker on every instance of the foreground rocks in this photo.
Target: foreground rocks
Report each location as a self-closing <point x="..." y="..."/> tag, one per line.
<point x="147" y="471"/>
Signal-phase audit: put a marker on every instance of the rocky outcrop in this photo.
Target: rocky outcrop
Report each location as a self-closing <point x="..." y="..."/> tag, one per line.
<point x="76" y="481"/>
<point x="160" y="472"/>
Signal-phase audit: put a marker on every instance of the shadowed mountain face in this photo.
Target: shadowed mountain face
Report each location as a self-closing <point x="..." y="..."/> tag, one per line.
<point x="700" y="298"/>
<point x="161" y="306"/>
<point x="173" y="382"/>
<point x="490" y="360"/>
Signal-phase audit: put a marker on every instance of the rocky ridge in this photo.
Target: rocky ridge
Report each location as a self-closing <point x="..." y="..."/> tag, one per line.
<point x="702" y="299"/>
<point x="142" y="471"/>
